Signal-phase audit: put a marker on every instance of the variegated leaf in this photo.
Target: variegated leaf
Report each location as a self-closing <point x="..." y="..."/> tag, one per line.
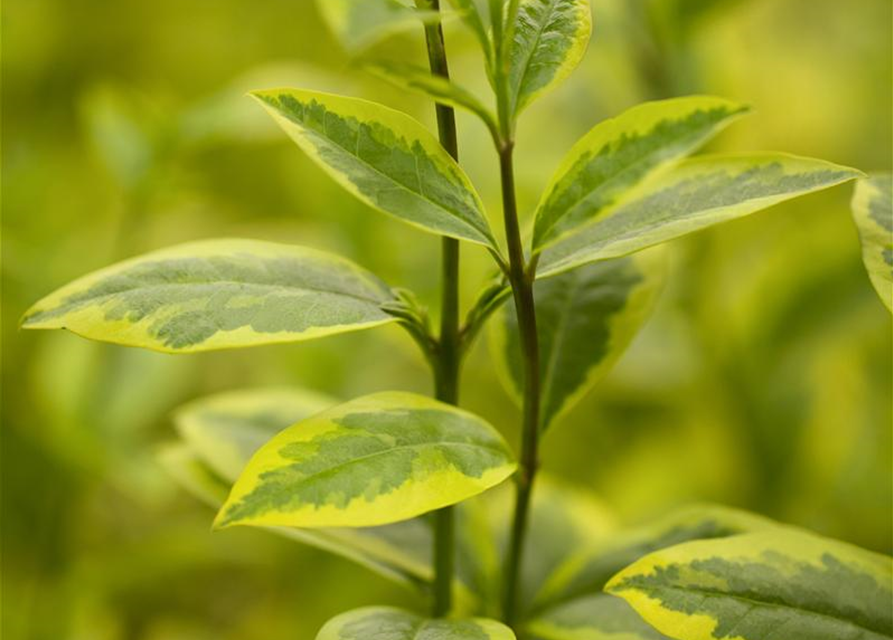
<point x="621" y="152"/>
<point x="696" y="194"/>
<point x="378" y="459"/>
<point x="384" y="158"/>
<point x="597" y="616"/>
<point x="548" y="41"/>
<point x="592" y="564"/>
<point x="223" y="431"/>
<point x="387" y="623"/>
<point x="217" y="294"/>
<point x="777" y="585"/>
<point x="873" y="213"/>
<point x="585" y="320"/>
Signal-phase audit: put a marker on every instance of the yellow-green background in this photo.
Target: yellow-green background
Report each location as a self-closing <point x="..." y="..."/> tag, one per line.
<point x="763" y="380"/>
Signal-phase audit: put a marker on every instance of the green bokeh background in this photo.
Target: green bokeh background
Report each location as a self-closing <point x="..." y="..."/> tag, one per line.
<point x="763" y="380"/>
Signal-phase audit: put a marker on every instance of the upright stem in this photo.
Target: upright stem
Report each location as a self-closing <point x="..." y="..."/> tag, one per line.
<point x="522" y="290"/>
<point x="448" y="355"/>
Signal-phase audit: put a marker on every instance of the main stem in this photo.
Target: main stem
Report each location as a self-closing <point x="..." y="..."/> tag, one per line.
<point x="522" y="290"/>
<point x="448" y="355"/>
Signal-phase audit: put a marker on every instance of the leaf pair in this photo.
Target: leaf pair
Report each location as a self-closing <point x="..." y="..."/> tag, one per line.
<point x="626" y="186"/>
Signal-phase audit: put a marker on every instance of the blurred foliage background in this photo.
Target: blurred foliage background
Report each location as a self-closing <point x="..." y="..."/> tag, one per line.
<point x="762" y="381"/>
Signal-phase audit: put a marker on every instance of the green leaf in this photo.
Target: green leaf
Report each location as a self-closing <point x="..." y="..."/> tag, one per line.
<point x="476" y="16"/>
<point x="594" y="617"/>
<point x="227" y="428"/>
<point x="696" y="194"/>
<point x="185" y="466"/>
<point x="437" y="87"/>
<point x="562" y="519"/>
<point x="548" y="41"/>
<point x="387" y="623"/>
<point x="359" y="24"/>
<point x="585" y="320"/>
<point x="590" y="567"/>
<point x="779" y="584"/>
<point x="217" y="294"/>
<point x="873" y="213"/>
<point x="619" y="153"/>
<point x="378" y="459"/>
<point x="385" y="158"/>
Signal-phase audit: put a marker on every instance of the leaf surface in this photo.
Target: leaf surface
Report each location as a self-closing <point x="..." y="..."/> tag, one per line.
<point x="594" y="617"/>
<point x="441" y="89"/>
<point x="621" y="152"/>
<point x="217" y="294"/>
<point x="585" y="320"/>
<point x="384" y="158"/>
<point x="387" y="623"/>
<point x="374" y="460"/>
<point x="696" y="194"/>
<point x="549" y="40"/>
<point x="588" y="569"/>
<point x="763" y="586"/>
<point x="873" y="213"/>
<point x="359" y="24"/>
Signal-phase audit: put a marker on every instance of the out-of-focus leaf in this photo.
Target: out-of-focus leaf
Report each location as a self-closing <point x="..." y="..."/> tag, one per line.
<point x="359" y="24"/>
<point x="378" y="459"/>
<point x="621" y="152"/>
<point x="548" y="41"/>
<point x="437" y="87"/>
<point x="229" y="427"/>
<point x="476" y="16"/>
<point x="585" y="320"/>
<point x="384" y="158"/>
<point x="873" y="213"/>
<point x="593" y="617"/>
<point x="590" y="567"/>
<point x="777" y="584"/>
<point x="562" y="519"/>
<point x="696" y="194"/>
<point x="217" y="294"/>
<point x="387" y="623"/>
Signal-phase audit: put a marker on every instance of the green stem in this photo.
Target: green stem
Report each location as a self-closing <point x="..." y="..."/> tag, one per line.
<point x="521" y="279"/>
<point x="448" y="354"/>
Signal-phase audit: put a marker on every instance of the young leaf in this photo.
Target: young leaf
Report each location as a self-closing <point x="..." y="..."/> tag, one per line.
<point x="217" y="294"/>
<point x="378" y="459"/>
<point x="696" y="194"/>
<point x="549" y="39"/>
<point x="594" y="617"/>
<point x="384" y="158"/>
<point x="437" y="87"/>
<point x="359" y="24"/>
<point x="590" y="567"/>
<point x="779" y="584"/>
<point x="475" y="15"/>
<point x="227" y="428"/>
<point x="619" y="153"/>
<point x="873" y="213"/>
<point x="585" y="320"/>
<point x="388" y="623"/>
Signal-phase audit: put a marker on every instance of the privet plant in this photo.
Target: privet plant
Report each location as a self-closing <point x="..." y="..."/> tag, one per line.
<point x="387" y="479"/>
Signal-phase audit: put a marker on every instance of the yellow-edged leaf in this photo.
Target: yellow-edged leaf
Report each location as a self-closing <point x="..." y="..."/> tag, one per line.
<point x="873" y="213"/>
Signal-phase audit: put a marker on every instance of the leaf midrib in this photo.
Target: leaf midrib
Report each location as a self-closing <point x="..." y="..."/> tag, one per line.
<point x="368" y="456"/>
<point x="758" y="603"/>
<point x="286" y="287"/>
<point x="529" y="57"/>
